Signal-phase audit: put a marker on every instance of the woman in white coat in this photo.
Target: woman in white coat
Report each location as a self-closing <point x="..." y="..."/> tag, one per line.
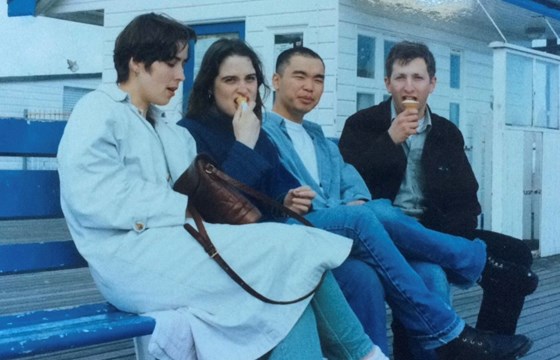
<point x="118" y="159"/>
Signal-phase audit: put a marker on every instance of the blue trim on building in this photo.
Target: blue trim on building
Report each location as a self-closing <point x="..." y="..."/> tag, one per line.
<point x="21" y="7"/>
<point x="539" y="7"/>
<point x="455" y="71"/>
<point x="9" y="79"/>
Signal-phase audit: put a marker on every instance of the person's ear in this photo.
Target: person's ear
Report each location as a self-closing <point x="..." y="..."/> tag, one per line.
<point x="134" y="66"/>
<point x="433" y="82"/>
<point x="276" y="81"/>
<point x="387" y="83"/>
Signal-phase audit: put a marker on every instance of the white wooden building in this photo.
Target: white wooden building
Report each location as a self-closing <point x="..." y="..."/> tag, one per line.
<point x="502" y="93"/>
<point x="46" y="66"/>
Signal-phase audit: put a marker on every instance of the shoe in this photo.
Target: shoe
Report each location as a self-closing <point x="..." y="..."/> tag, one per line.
<point x="508" y="277"/>
<point x="473" y="344"/>
<point x="531" y="283"/>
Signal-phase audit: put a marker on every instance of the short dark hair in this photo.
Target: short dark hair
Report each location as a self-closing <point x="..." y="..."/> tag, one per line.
<point x="201" y="98"/>
<point x="149" y="38"/>
<point x="406" y="51"/>
<point x="283" y="59"/>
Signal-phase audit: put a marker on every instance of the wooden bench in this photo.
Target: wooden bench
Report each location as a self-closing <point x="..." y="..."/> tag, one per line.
<point x="29" y="194"/>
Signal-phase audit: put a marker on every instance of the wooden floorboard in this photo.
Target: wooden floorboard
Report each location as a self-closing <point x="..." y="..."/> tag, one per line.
<point x="540" y="319"/>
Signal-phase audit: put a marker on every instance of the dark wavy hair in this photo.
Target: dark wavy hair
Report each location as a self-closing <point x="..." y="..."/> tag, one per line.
<point x="406" y="51"/>
<point x="149" y="38"/>
<point x="200" y="99"/>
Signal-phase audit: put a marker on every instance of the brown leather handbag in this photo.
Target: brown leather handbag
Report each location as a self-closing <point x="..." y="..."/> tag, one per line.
<point x="216" y="197"/>
<point x="215" y="194"/>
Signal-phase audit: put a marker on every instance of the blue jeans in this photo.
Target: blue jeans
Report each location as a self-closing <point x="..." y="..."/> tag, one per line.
<point x="340" y="332"/>
<point x="435" y="279"/>
<point x="463" y="260"/>
<point x="302" y="341"/>
<point x="424" y="314"/>
<point x="364" y="292"/>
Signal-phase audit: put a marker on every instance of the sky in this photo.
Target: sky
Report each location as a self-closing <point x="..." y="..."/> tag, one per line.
<point x="41" y="46"/>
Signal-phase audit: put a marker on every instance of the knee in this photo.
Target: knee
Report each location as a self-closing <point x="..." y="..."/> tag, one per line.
<point x="506" y="247"/>
<point x="357" y="278"/>
<point x="385" y="210"/>
<point x="360" y="218"/>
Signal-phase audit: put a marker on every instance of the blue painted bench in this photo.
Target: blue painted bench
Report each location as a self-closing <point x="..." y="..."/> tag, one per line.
<point x="27" y="194"/>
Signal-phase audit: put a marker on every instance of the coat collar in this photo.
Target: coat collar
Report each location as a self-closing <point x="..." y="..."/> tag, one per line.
<point x="118" y="95"/>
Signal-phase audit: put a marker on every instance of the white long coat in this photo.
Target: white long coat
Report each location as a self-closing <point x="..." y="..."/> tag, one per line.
<point x="116" y="174"/>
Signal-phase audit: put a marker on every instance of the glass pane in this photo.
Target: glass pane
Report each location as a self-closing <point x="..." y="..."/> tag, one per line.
<point x="366" y="56"/>
<point x="455" y="71"/>
<point x="286" y="41"/>
<point x="519" y="90"/>
<point x="546" y="95"/>
<point x="364" y="100"/>
<point x="454" y="113"/>
<point x="387" y="46"/>
<point x="70" y="96"/>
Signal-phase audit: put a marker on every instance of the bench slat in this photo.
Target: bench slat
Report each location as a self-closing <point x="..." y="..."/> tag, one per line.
<point x="30" y="138"/>
<point x="35" y="257"/>
<point x="58" y="314"/>
<point x="29" y="194"/>
<point x="66" y="328"/>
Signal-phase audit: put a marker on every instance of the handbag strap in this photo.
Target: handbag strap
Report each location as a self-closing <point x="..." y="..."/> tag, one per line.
<point x="202" y="237"/>
<point x="224" y="178"/>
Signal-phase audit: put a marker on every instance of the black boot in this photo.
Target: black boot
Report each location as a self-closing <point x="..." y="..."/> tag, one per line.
<point x="473" y="344"/>
<point x="504" y="276"/>
<point x="401" y="344"/>
<point x="499" y="312"/>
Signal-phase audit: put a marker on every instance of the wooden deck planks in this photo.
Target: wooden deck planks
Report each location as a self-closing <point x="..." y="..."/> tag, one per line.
<point x="540" y="318"/>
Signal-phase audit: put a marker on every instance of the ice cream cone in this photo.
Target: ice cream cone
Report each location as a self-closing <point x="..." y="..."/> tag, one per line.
<point x="410" y="104"/>
<point x="241" y="101"/>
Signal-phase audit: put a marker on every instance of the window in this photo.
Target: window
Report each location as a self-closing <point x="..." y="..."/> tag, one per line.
<point x="366" y="57"/>
<point x="454" y="113"/>
<point x="387" y="46"/>
<point x="519" y="90"/>
<point x="70" y="96"/>
<point x="545" y="102"/>
<point x="286" y="41"/>
<point x="455" y="71"/>
<point x="364" y="100"/>
<point x="532" y="92"/>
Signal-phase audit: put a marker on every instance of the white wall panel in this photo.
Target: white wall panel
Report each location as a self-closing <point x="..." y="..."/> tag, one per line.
<point x="550" y="227"/>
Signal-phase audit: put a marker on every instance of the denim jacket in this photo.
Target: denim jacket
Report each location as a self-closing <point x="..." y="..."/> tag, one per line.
<point x="340" y="182"/>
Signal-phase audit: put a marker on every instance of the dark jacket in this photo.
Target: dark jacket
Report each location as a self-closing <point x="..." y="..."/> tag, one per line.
<point x="450" y="185"/>
<point x="259" y="168"/>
